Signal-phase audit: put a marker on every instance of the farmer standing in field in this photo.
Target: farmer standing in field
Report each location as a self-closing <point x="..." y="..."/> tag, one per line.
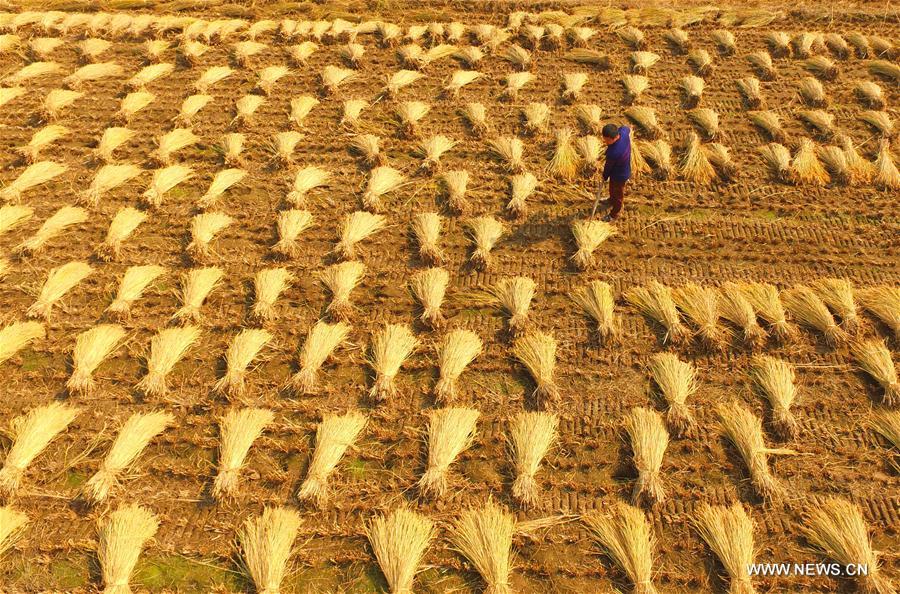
<point x="617" y="169"/>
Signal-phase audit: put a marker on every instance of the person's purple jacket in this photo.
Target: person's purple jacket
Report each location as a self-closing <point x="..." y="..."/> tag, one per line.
<point x="618" y="157"/>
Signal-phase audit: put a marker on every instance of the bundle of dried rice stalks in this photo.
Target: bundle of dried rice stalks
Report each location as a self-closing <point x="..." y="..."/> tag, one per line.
<point x="641" y="61"/>
<point x="706" y="120"/>
<point x="432" y="150"/>
<point x="725" y="41"/>
<point x="885" y="69"/>
<point x="521" y="187"/>
<point x="243" y="349"/>
<point x="655" y="301"/>
<point x="886" y="177"/>
<point x="93" y="73"/>
<point x="701" y="61"/>
<point x="455" y="352"/>
<point x="590" y="150"/>
<point x="744" y="430"/>
<point x="882" y="47"/>
<point x="112" y="139"/>
<point x="596" y="58"/>
<point x="885" y="422"/>
<point x="426" y="228"/>
<point x="514" y="295"/>
<point x="300" y="108"/>
<point x="761" y="62"/>
<point x="837" y="45"/>
<point x="509" y="150"/>
<point x="284" y="144"/>
<point x="367" y="147"/>
<point x="805" y="43"/>
<point x="8" y="94"/>
<point x="486" y="232"/>
<point x="519" y="57"/>
<point x="837" y="528"/>
<point x="122" y="536"/>
<point x="352" y="54"/>
<point x="537" y="352"/>
<point x="459" y="79"/>
<point x="13" y="215"/>
<point x="475" y="116"/>
<point x="880" y="122"/>
<point x="774" y="378"/>
<point x="399" y="80"/>
<point x="12" y="523"/>
<point x="429" y="287"/>
<point x="692" y="91"/>
<point x="806" y="167"/>
<point x="649" y="440"/>
<point x="340" y="279"/>
<point x="572" y="85"/>
<point x="874" y="358"/>
<point x="589" y="234"/>
<point x="268" y="284"/>
<point x="870" y="95"/>
<point x="564" y="163"/>
<point x="834" y="159"/>
<point x="821" y="67"/>
<point x="204" y="228"/>
<point x="695" y="165"/>
<point x="819" y="121"/>
<point x="91" y="348"/>
<point x="590" y="117"/>
<point x="166" y="349"/>
<point x="770" y="123"/>
<point x="484" y="537"/>
<point x="856" y="168"/>
<point x="750" y="91"/>
<point x="391" y="346"/>
<point x="626" y="537"/>
<point x="728" y="532"/>
<point x="149" y="74"/>
<point x="738" y="309"/>
<point x="676" y="381"/>
<point x="172" y="142"/>
<point x="645" y="119"/>
<point x="838" y="296"/>
<point x="33" y="71"/>
<point x="536" y="116"/>
<point x="399" y="540"/>
<point x="60" y="280"/>
<point x="632" y="37"/>
<point x="108" y="178"/>
<point x="450" y="431"/>
<point x="778" y="161"/>
<point x="470" y="55"/>
<point x="41" y="140"/>
<point x="515" y="82"/>
<point x="860" y="44"/>
<point x="131" y="287"/>
<point x="409" y="114"/>
<point x="41" y="48"/>
<point x="300" y="53"/>
<point x="659" y="154"/>
<point x="334" y="435"/>
<point x="812" y="92"/>
<point x="720" y="157"/>
<point x="883" y="302"/>
<point x="134" y="436"/>
<point x="34" y="175"/>
<point x="238" y="429"/>
<point x="766" y="302"/>
<point x="531" y="435"/>
<point x="356" y="227"/>
<point x="30" y="434"/>
<point x="267" y="543"/>
<point x="63" y="218"/>
<point x="306" y="180"/>
<point x="17" y="336"/>
<point x="333" y="77"/>
<point x="811" y="311"/>
<point x="321" y="342"/>
<point x="679" y="39"/>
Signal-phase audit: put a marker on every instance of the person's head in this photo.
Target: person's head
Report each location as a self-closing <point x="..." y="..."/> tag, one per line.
<point x="610" y="133"/>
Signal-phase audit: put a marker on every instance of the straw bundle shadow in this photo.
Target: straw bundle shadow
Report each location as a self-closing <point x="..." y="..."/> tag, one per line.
<point x="679" y="40"/>
<point x="399" y="540"/>
<point x="874" y="358"/>
<point x="484" y="537"/>
<point x="676" y="382"/>
<point x="655" y="301"/>
<point x="645" y="119"/>
<point x="642" y="61"/>
<point x="692" y="91"/>
<point x="267" y="543"/>
<point x="34" y="175"/>
<point x="455" y="352"/>
<point x="761" y="62"/>
<point x="806" y="169"/>
<point x="409" y="114"/>
<point x="695" y="165"/>
<point x="728" y="532"/>
<point x="334" y="435"/>
<point x="238" y="429"/>
<point x="356" y="227"/>
<point x="121" y="537"/>
<point x="531" y="435"/>
<point x="63" y="218"/>
<point x="589" y="235"/>
<point x="12" y="524"/>
<point x="706" y="120"/>
<point x="812" y="92"/>
<point x="16" y="336"/>
<point x="701" y="61"/>
<point x="649" y="440"/>
<point x="774" y="378"/>
<point x="429" y="287"/>
<point x="536" y="116"/>
<point x="41" y="140"/>
<point x="838" y="529"/>
<point x="196" y="286"/>
<point x="515" y="82"/>
<point x="391" y="346"/>
<point x="537" y="352"/>
<point x="133" y="438"/>
<point x="821" y="67"/>
<point x="450" y="431"/>
<point x="887" y="177"/>
<point x="634" y="85"/>
<point x="486" y="233"/>
<point x="163" y="181"/>
<point x="243" y="349"/>
<point x="522" y="186"/>
<point x="60" y="280"/>
<point x="340" y="279"/>
<point x="627" y="538"/>
<point x="808" y="309"/>
<point x="91" y="348"/>
<point x="881" y="301"/>
<point x="367" y="147"/>
<point x="131" y="287"/>
<point x="514" y="295"/>
<point x="744" y="430"/>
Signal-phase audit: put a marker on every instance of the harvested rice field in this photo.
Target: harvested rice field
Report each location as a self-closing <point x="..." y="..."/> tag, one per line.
<point x="311" y="298"/>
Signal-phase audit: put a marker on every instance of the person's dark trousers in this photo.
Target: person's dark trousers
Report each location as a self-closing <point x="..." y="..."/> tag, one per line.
<point x="616" y="196"/>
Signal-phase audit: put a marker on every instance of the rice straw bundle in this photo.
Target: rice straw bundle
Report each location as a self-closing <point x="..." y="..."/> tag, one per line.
<point x="409" y="113"/>
<point x="352" y="53"/>
<point x="580" y="36"/>
<point x="695" y="165"/>
<point x="880" y="122"/>
<point x="429" y="287"/>
<point x="874" y="358"/>
<point x="887" y="423"/>
<point x="870" y="94"/>
<point x="300" y="108"/>
<point x="486" y="232"/>
<point x="91" y="348"/>
<point x="514" y="295"/>
<point x="221" y="183"/>
<point x="475" y="115"/>
<point x="389" y="33"/>
<point x="627" y="538"/>
<point x="399" y="540"/>
<point x="356" y="227"/>
<point x="632" y="37"/>
<point x="352" y="109"/>
<point x="484" y="537"/>
<point x="267" y="543"/>
<point x="30" y="434"/>
<point x="107" y="179"/>
<point x="834" y="159"/>
<point x="725" y="41"/>
<point x="268" y="76"/>
<point x="659" y="154"/>
<point x="573" y="83"/>
<point x="60" y="281"/>
<point x="536" y="116"/>
<point x="882" y="47"/>
<point x="92" y="73"/>
<point x="432" y="150"/>
<point x="12" y="215"/>
<point x="192" y="52"/>
<point x="244" y="50"/>
<point x="112" y="139"/>
<point x="778" y="161"/>
<point x="9" y="42"/>
<point x="737" y="308"/>
<point x="34" y="175"/>
<point x="692" y="91"/>
<point x="812" y="92"/>
<point x="837" y="528"/>
<point x="767" y="303"/>
<point x="655" y="302"/>
<point x="149" y="74"/>
<point x="426" y="228"/>
<point x="167" y="347"/>
<point x="882" y="68"/>
<point x="642" y="61"/>
<point x="886" y="177"/>
<point x="284" y="144"/>
<point x="649" y="440"/>
<point x="172" y="142"/>
<point x="133" y="437"/>
<point x="770" y="123"/>
<point x="521" y="187"/>
<point x="131" y="287"/>
<point x="821" y="67"/>
<point x="53" y="226"/>
<point x="268" y="284"/>
<point x="679" y="39"/>
<point x="564" y="163"/>
<point x="8" y="94"/>
<point x="774" y="378"/>
<point x="837" y="45"/>
<point x="41" y="140"/>
<point x="515" y="82"/>
<point x="340" y="279"/>
<point x="804" y="44"/>
<point x="455" y="352"/>
<point x="154" y="49"/>
<point x="17" y="335"/>
<point x="811" y="311"/>
<point x="509" y="150"/>
<point x="367" y="146"/>
<point x="855" y="168"/>
<point x="391" y="346"/>
<point x="454" y="31"/>
<point x="32" y="71"/>
<point x="211" y="76"/>
<point x="860" y="44"/>
<point x="122" y="536"/>
<point x="701" y="61"/>
<point x="459" y="79"/>
<point x="469" y="55"/>
<point x="196" y="287"/>
<point x="537" y="352"/>
<point x="450" y="431"/>
<point x="591" y="152"/>
<point x="12" y="523"/>
<point x="243" y="349"/>
<point x="806" y="167"/>
<point x="645" y="119"/>
<point x="519" y="57"/>
<point x="837" y="294"/>
<point x="883" y="302"/>
<point x="593" y="57"/>
<point x="130" y="105"/>
<point x="761" y="62"/>
<point x="400" y="80"/>
<point x="321" y="342"/>
<point x="589" y="234"/>
<point x="238" y="429"/>
<point x="750" y="91"/>
<point x="706" y="120"/>
<point x="719" y="156"/>
<point x="204" y="228"/>
<point x="728" y="532"/>
<point x="821" y="122"/>
<point x="531" y="435"/>
<point x="744" y="429"/>
<point x="305" y="180"/>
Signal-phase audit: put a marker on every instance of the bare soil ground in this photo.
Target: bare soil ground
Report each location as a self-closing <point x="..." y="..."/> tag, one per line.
<point x="674" y="232"/>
